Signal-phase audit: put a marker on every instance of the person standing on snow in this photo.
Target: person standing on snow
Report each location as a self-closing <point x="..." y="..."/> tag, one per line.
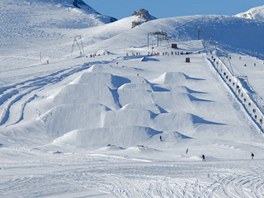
<point x="252" y="155"/>
<point x="203" y="158"/>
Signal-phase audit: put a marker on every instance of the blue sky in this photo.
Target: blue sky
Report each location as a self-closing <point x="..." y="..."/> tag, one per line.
<point x="170" y="8"/>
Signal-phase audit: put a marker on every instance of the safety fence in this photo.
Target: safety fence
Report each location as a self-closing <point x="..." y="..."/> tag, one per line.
<point x="238" y="90"/>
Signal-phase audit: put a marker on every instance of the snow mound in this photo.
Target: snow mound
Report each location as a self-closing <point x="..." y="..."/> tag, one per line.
<point x="173" y="77"/>
<point x="129" y="117"/>
<point x="111" y="147"/>
<point x="87" y="93"/>
<point x="151" y="107"/>
<point x="135" y="93"/>
<point x="92" y="88"/>
<point x="256" y="13"/>
<point x="174" y="137"/>
<point x="106" y="79"/>
<point x="116" y="70"/>
<point x="142" y="149"/>
<point x="101" y="137"/>
<point x="64" y="118"/>
<point x="185" y="122"/>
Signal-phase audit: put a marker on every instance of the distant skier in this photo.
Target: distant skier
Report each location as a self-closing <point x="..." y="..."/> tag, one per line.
<point x="161" y="138"/>
<point x="203" y="158"/>
<point x="186" y="152"/>
<point x="252" y="155"/>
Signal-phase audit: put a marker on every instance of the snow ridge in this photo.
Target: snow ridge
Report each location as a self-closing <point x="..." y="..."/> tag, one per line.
<point x="256" y="13"/>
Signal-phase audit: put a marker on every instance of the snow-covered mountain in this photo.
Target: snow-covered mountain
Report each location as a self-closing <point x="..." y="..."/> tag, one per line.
<point x="254" y="13"/>
<point x="86" y="105"/>
<point x="111" y="102"/>
<point x="28" y="20"/>
<point x="58" y="13"/>
<point x="223" y="31"/>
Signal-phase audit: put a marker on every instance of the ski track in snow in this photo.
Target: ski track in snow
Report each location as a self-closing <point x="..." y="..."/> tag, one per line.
<point x="222" y="185"/>
<point x="126" y="180"/>
<point x="112" y="179"/>
<point x="11" y="95"/>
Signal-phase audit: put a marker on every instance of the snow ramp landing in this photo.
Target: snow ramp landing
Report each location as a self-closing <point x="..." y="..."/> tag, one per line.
<point x="139" y="103"/>
<point x="101" y="137"/>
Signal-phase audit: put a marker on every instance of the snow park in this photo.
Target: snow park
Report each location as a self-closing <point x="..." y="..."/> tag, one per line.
<point x="92" y="106"/>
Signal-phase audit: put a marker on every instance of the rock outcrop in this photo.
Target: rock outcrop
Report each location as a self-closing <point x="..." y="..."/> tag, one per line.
<point x="142" y="17"/>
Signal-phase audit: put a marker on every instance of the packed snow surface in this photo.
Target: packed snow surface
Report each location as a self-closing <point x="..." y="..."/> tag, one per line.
<point x="106" y="115"/>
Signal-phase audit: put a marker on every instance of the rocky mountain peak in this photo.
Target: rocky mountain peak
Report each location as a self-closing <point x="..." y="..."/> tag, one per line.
<point x="143" y="16"/>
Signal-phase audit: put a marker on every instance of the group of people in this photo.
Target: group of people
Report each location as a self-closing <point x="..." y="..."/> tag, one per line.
<point x="171" y="53"/>
<point x="106" y="53"/>
<point x="203" y="156"/>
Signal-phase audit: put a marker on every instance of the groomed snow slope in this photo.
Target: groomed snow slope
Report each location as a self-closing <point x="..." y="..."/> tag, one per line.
<point x="140" y="98"/>
<point x="118" y="39"/>
<point x="124" y="124"/>
<point x="97" y="133"/>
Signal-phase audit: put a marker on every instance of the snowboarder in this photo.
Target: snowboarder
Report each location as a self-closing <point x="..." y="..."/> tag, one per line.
<point x="252" y="155"/>
<point x="203" y="158"/>
<point x="187" y="150"/>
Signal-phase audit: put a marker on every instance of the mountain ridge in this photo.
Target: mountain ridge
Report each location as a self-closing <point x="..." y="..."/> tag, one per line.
<point x="256" y="13"/>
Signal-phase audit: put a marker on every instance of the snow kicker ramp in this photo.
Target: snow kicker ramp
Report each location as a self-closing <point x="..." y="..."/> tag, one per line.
<point x="117" y="105"/>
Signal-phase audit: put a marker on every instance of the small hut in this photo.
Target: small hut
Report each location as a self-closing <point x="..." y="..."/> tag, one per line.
<point x="174" y="46"/>
<point x="188" y="60"/>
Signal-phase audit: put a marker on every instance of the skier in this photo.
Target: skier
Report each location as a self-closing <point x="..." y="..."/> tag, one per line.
<point x="252" y="155"/>
<point x="160" y="138"/>
<point x="187" y="150"/>
<point x="203" y="158"/>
